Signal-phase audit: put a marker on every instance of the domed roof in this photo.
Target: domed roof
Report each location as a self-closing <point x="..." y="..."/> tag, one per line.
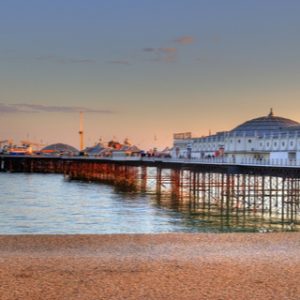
<point x="59" y="147"/>
<point x="265" y="124"/>
<point x="293" y="128"/>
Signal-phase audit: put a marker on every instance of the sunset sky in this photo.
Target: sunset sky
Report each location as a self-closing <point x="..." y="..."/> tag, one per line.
<point x="144" y="69"/>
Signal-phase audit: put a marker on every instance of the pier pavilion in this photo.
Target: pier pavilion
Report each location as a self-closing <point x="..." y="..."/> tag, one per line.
<point x="270" y="137"/>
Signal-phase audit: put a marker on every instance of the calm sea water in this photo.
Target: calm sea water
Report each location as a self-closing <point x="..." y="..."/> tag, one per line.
<point x="50" y="204"/>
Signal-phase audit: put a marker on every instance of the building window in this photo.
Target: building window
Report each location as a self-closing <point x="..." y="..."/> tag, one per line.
<point x="283" y="144"/>
<point x="268" y="144"/>
<point x="275" y="144"/>
<point x="239" y="141"/>
<point x="291" y="143"/>
<point x="249" y="141"/>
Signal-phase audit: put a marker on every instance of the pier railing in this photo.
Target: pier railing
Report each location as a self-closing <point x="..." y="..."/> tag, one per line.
<point x="209" y="161"/>
<point x="230" y="161"/>
<point x="246" y="161"/>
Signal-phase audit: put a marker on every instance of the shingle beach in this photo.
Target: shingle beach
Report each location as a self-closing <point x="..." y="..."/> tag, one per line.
<point x="158" y="266"/>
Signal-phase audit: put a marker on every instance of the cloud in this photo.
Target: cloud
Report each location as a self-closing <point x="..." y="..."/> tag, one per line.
<point x="64" y="60"/>
<point x="38" y="108"/>
<point x="4" y="108"/>
<point x="185" y="40"/>
<point x="168" y="54"/>
<point x="119" y="62"/>
<point x="163" y="54"/>
<point x="164" y="50"/>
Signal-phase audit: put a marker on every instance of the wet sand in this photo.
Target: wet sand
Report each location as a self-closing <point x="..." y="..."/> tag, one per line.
<point x="162" y="266"/>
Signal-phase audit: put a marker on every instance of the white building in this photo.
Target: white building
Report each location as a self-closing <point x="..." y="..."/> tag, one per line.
<point x="265" y="138"/>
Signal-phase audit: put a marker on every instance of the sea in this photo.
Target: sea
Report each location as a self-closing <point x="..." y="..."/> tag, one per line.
<point x="53" y="204"/>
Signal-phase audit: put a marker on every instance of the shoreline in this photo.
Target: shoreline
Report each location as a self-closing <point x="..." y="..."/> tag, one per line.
<point x="151" y="266"/>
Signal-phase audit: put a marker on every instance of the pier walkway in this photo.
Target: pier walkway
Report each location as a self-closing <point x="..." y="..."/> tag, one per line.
<point x="272" y="167"/>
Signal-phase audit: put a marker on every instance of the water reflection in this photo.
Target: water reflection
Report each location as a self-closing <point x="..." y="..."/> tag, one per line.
<point x="172" y="201"/>
<point x="229" y="202"/>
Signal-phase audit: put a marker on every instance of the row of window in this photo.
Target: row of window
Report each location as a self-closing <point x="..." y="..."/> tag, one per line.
<point x="216" y="146"/>
<point x="261" y="145"/>
<point x="275" y="144"/>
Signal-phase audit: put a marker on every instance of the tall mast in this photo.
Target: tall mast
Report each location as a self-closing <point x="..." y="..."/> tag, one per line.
<point x="81" y="142"/>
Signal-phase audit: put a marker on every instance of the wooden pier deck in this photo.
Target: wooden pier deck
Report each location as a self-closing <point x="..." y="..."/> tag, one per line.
<point x="57" y="164"/>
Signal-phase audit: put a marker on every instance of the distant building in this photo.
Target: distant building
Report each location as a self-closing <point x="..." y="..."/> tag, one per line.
<point x="113" y="149"/>
<point x="60" y="148"/>
<point x="264" y="138"/>
<point x="95" y="150"/>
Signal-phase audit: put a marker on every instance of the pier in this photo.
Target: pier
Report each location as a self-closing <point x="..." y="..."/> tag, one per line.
<point x="61" y="164"/>
<point x="236" y="193"/>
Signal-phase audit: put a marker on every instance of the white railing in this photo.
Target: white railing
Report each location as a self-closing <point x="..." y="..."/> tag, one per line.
<point x="230" y="161"/>
<point x="246" y="161"/>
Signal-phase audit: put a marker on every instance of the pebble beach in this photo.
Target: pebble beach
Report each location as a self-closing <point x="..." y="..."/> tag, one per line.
<point x="155" y="266"/>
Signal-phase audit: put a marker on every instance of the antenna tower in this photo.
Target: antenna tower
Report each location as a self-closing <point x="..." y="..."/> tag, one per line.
<point x="81" y="142"/>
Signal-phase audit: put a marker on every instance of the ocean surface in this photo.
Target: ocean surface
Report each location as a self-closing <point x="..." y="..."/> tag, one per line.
<point x="51" y="204"/>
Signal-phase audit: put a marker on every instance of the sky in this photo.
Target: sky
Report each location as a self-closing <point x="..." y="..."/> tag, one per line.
<point x="143" y="69"/>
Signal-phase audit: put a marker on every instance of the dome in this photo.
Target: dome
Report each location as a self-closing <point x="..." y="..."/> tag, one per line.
<point x="293" y="128"/>
<point x="265" y="124"/>
<point x="59" y="147"/>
